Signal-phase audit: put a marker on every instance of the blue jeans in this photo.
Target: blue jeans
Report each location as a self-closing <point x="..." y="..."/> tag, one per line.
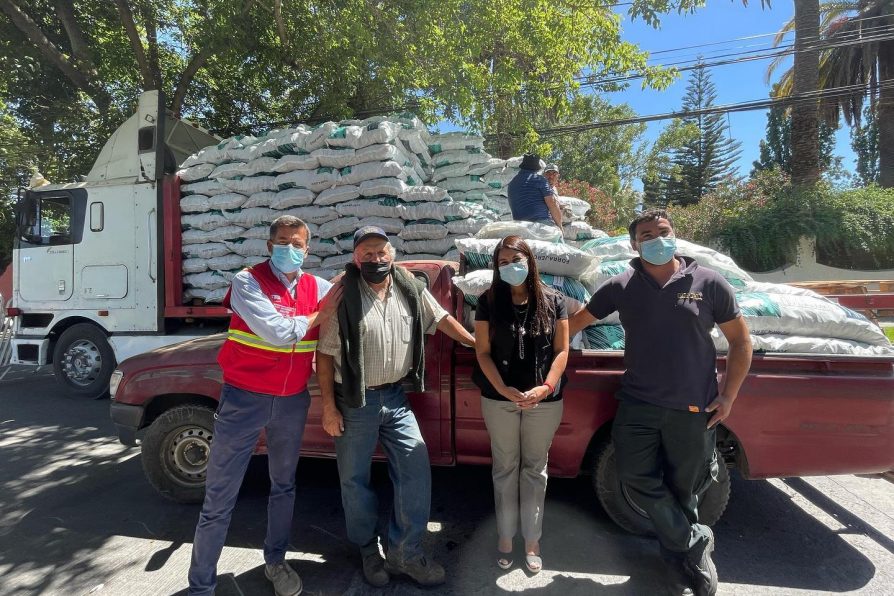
<point x="388" y="419"/>
<point x="240" y="417"/>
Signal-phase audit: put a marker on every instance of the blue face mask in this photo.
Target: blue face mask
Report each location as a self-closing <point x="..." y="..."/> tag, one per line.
<point x="658" y="251"/>
<point x="287" y="258"/>
<point x="514" y="274"/>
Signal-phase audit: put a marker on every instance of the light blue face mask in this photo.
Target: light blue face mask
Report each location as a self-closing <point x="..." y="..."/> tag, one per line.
<point x="287" y="258"/>
<point x="658" y="251"/>
<point x="514" y="274"/>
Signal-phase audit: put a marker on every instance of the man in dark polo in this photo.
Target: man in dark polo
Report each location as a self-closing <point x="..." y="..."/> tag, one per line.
<point x="670" y="401"/>
<point x="531" y="198"/>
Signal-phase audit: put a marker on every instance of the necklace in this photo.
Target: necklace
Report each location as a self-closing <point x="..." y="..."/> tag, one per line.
<point x="519" y="329"/>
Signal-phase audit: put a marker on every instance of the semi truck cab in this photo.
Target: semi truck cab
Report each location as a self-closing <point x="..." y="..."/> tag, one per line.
<point x="88" y="279"/>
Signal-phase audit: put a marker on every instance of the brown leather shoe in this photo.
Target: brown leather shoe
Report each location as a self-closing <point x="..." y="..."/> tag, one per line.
<point x="374" y="570"/>
<point x="422" y="571"/>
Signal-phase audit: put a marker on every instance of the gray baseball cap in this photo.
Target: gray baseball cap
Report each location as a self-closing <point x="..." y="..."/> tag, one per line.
<point x="552" y="168"/>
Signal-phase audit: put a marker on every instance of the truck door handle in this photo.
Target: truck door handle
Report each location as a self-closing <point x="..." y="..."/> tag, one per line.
<point x="61" y="286"/>
<point x="149" y="244"/>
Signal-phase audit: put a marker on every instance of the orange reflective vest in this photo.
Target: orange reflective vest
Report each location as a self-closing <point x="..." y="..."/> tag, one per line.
<point x="251" y="363"/>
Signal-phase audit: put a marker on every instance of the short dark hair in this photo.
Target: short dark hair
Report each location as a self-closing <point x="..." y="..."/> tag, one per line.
<point x="648" y="215"/>
<point x="289" y="221"/>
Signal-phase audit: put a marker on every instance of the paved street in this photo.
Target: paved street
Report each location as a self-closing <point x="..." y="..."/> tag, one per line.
<point x="78" y="517"/>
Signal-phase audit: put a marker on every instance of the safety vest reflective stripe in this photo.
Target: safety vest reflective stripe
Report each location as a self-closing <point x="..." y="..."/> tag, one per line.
<point x="252" y="340"/>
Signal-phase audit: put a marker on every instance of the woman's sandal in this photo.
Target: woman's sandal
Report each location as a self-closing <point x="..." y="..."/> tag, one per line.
<point x="504" y="560"/>
<point x="534" y="563"/>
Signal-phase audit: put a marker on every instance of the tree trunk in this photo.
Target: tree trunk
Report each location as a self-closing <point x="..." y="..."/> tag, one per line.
<point x="885" y="115"/>
<point x="127" y="21"/>
<point x="805" y="115"/>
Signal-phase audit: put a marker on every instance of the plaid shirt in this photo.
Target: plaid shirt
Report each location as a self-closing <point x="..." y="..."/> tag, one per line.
<point x="387" y="332"/>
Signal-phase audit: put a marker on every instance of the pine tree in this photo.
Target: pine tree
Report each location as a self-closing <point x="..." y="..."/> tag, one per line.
<point x="864" y="141"/>
<point x="709" y="158"/>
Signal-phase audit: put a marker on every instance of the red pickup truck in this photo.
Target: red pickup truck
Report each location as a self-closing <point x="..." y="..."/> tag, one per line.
<point x="797" y="415"/>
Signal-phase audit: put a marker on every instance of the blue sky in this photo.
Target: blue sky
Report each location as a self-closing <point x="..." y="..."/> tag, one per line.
<point x="720" y="21"/>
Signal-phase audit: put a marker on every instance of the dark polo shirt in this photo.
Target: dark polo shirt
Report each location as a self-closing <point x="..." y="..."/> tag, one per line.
<point x="527" y="191"/>
<point x="669" y="355"/>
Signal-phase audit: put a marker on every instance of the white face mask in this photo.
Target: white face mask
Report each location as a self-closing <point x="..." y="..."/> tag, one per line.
<point x="514" y="274"/>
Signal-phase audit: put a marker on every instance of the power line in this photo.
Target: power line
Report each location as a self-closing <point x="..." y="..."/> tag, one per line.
<point x="762" y="104"/>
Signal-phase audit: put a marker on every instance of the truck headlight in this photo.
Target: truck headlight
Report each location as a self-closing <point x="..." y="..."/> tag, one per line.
<point x="117" y="375"/>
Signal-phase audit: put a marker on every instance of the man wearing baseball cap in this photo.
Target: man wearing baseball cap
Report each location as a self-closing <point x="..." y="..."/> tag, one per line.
<point x="551" y="173"/>
<point x="362" y="360"/>
<point x="531" y="197"/>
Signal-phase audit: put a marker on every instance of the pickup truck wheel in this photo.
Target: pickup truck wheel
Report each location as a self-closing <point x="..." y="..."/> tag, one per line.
<point x="623" y="511"/>
<point x="175" y="452"/>
<point x="83" y="361"/>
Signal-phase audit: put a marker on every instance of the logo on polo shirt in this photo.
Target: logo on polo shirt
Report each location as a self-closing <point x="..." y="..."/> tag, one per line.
<point x="683" y="296"/>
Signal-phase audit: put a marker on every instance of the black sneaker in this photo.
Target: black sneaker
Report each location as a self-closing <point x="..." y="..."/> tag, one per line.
<point x="374" y="570"/>
<point x="422" y="571"/>
<point x="701" y="569"/>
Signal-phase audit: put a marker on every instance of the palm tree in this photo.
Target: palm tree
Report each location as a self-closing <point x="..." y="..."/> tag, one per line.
<point x="856" y="49"/>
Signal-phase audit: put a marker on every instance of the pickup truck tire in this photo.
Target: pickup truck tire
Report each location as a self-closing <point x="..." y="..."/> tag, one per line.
<point x="624" y="512"/>
<point x="83" y="361"/>
<point x="175" y="452"/>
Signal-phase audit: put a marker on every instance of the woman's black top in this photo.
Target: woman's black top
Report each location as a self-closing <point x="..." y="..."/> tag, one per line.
<point x="529" y="366"/>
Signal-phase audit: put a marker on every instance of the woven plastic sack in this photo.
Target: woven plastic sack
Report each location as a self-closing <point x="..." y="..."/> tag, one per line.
<point x="248" y="218"/>
<point x="454" y="141"/>
<point x="203" y="221"/>
<point x="208" y="280"/>
<point x="204" y="251"/>
<point x="251" y="185"/>
<point x="249" y="248"/>
<point x="391" y="187"/>
<point x="194" y="265"/>
<point x="292" y="197"/>
<point x="313" y="214"/>
<point x="423" y="230"/>
<point x="324" y="247"/>
<point x="332" y="157"/>
<point x="226" y="201"/>
<point x="337" y="227"/>
<point x="338" y="194"/>
<point x="315" y="180"/>
<point x="364" y="208"/>
<point x="260" y="199"/>
<point x="557" y="259"/>
<point x="205" y="187"/>
<point x="419" y="194"/>
<point x="196" y="172"/>
<point x="226" y="262"/>
<point x="194" y="204"/>
<point x="527" y="230"/>
<point x="291" y="163"/>
<point x="345" y="136"/>
<point x="228" y="170"/>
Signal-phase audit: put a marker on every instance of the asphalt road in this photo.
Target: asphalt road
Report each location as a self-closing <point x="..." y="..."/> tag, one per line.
<point x="78" y="517"/>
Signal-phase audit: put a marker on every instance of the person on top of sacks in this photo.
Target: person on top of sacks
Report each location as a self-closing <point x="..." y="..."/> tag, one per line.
<point x="551" y="173"/>
<point x="531" y="198"/>
<point x="266" y="363"/>
<point x="670" y="401"/>
<point x="376" y="342"/>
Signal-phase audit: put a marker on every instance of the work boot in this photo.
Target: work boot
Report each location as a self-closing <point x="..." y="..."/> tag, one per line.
<point x="421" y="570"/>
<point x="700" y="567"/>
<point x="285" y="581"/>
<point x="677" y="579"/>
<point x="374" y="570"/>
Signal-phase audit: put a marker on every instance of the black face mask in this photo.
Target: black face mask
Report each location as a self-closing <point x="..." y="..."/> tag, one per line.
<point x="375" y="273"/>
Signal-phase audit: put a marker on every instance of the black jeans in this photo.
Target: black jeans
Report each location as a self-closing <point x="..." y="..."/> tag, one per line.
<point x="666" y="461"/>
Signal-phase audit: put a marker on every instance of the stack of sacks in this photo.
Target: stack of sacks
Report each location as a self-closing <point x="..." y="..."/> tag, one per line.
<point x="780" y="318"/>
<point x="336" y="177"/>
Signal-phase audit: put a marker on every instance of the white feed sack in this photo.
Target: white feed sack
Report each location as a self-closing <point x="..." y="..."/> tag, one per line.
<point x="248" y="218"/>
<point x="205" y="187"/>
<point x="292" y="197"/>
<point x="331" y="157"/>
<point x="420" y="194"/>
<point x="316" y="180"/>
<point x="194" y="265"/>
<point x="196" y="172"/>
<point x="204" y="251"/>
<point x="556" y="259"/>
<point x="209" y="280"/>
<point x="228" y="262"/>
<point x="390" y="187"/>
<point x="454" y="141"/>
<point x="363" y="208"/>
<point x="577" y="206"/>
<point x="254" y="247"/>
<point x="291" y="163"/>
<point x="324" y="247"/>
<point x="337" y="194"/>
<point x="194" y="204"/>
<point x="339" y="227"/>
<point x="794" y="344"/>
<point x="313" y="214"/>
<point x="370" y="171"/>
<point x="525" y="229"/>
<point x="260" y="199"/>
<point x="249" y="186"/>
<point x="203" y="221"/>
<point x="423" y="230"/>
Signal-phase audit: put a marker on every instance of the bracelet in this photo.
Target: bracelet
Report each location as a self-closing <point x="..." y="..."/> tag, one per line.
<point x="550" y="387"/>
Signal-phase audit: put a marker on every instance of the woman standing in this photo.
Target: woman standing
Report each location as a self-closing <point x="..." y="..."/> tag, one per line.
<point x="521" y="328"/>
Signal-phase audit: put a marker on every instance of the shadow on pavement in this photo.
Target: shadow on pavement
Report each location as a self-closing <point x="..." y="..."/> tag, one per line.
<point x="69" y="489"/>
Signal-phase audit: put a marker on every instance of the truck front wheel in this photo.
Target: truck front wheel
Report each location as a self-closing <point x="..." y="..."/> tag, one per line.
<point x="175" y="452"/>
<point x="83" y="361"/>
<point x="616" y="501"/>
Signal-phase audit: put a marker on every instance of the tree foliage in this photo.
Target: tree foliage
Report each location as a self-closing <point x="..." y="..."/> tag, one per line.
<point x="707" y="159"/>
<point x="609" y="159"/>
<point x="776" y="148"/>
<point x="864" y="142"/>
<point x="76" y="67"/>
